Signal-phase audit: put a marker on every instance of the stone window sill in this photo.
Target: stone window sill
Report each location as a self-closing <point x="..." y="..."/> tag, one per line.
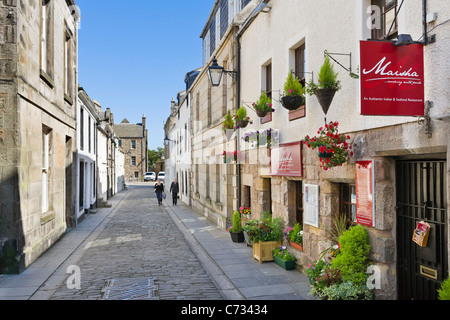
<point x="47" y="217"/>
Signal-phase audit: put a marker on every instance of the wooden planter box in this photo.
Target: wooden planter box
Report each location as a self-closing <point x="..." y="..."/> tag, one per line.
<point x="286" y="265"/>
<point x="262" y="251"/>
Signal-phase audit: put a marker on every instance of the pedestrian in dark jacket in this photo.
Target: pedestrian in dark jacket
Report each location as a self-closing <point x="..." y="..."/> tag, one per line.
<point x="175" y="189"/>
<point x="159" y="189"/>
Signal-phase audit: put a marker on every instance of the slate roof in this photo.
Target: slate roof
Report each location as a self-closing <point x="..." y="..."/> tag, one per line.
<point x="129" y="130"/>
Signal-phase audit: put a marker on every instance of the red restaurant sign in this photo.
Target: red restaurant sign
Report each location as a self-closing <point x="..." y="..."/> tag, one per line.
<point x="365" y="204"/>
<point x="286" y="160"/>
<point x="392" y="79"/>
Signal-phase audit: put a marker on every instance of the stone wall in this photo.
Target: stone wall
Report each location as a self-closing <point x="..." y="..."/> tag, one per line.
<point x="30" y="105"/>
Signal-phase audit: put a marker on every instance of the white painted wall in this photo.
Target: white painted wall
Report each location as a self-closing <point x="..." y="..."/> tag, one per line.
<point x="336" y="26"/>
<point x="180" y="150"/>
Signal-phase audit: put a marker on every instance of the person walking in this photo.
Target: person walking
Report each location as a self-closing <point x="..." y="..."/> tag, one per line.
<point x="159" y="189"/>
<point x="174" y="188"/>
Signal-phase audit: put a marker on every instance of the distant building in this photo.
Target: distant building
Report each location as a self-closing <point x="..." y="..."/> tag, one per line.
<point x="86" y="166"/>
<point x="133" y="138"/>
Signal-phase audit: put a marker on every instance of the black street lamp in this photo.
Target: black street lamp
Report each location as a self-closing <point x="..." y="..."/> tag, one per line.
<point x="215" y="73"/>
<point x="167" y="141"/>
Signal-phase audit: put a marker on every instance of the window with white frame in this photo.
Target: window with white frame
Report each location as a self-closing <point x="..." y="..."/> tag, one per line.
<point x="206" y="47"/>
<point x="46" y="46"/>
<point x="68" y="65"/>
<point x="217" y="27"/>
<point x="46" y="148"/>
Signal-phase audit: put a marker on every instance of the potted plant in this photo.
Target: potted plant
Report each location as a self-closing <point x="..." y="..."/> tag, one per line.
<point x="246" y="214"/>
<point x="327" y="87"/>
<point x="241" y="118"/>
<point x="263" y="106"/>
<point x="444" y="291"/>
<point x="228" y="125"/>
<point x="314" y="269"/>
<point x="345" y="278"/>
<point x="266" y="235"/>
<point x="284" y="258"/>
<point x="295" y="237"/>
<point x="294" y="93"/>
<point x="236" y="230"/>
<point x="333" y="147"/>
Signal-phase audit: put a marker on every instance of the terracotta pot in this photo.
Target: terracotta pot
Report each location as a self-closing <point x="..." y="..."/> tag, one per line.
<point x="299" y="247"/>
<point x="292" y="102"/>
<point x="325" y="97"/>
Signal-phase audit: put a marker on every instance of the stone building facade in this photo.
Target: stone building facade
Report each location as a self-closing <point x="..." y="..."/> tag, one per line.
<point x="38" y="96"/>
<point x="214" y="184"/>
<point x="410" y="165"/>
<point x="133" y="138"/>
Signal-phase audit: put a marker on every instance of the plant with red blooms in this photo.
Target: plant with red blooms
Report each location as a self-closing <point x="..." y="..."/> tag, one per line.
<point x="230" y="156"/>
<point x="333" y="147"/>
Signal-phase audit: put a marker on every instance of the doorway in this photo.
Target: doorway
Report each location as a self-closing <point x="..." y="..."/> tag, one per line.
<point x="421" y="196"/>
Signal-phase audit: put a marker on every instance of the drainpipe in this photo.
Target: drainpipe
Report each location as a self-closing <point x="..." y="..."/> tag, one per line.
<point x="426" y="40"/>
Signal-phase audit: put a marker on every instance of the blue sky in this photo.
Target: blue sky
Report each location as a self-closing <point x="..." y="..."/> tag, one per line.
<point x="134" y="55"/>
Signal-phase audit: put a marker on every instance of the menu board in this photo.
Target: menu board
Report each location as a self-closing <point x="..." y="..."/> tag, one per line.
<point x="311" y="205"/>
<point x="365" y="202"/>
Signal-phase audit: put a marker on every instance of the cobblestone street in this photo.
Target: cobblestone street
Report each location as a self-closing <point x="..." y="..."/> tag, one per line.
<point x="141" y="240"/>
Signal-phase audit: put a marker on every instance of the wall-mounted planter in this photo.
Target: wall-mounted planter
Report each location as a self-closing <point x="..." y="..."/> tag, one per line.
<point x="292" y="102"/>
<point x="261" y="113"/>
<point x="242" y="123"/>
<point x="325" y="97"/>
<point x="296" y="246"/>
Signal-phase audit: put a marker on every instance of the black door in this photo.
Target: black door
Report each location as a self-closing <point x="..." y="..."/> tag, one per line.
<point x="421" y="196"/>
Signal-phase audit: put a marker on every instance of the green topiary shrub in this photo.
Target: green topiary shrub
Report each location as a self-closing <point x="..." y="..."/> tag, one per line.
<point x="292" y="86"/>
<point x="236" y="223"/>
<point x="353" y="259"/>
<point x="444" y="292"/>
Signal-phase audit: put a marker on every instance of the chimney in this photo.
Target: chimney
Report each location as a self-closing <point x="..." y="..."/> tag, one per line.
<point x="144" y="121"/>
<point x="173" y="105"/>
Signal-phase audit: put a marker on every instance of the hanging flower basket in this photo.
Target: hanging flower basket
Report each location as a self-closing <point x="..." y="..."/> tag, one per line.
<point x="333" y="148"/>
<point x="325" y="97"/>
<point x="241" y="119"/>
<point x="261" y="113"/>
<point x="327" y="85"/>
<point x="263" y="106"/>
<point x="228" y="157"/>
<point x="242" y="123"/>
<point x="294" y="92"/>
<point x="292" y="102"/>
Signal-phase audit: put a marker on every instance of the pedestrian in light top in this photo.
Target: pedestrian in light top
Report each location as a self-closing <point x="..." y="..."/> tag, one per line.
<point x="159" y="189"/>
<point x="174" y="188"/>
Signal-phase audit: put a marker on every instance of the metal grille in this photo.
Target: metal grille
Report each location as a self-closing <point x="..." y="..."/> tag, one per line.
<point x="130" y="289"/>
<point x="421" y="196"/>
